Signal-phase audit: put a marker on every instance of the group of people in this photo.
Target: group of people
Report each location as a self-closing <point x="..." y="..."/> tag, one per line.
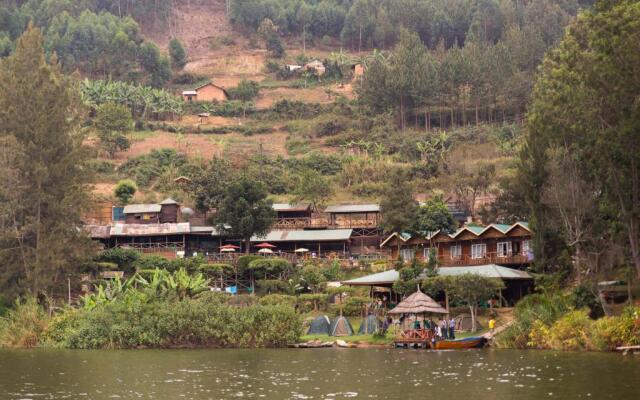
<point x="445" y="328"/>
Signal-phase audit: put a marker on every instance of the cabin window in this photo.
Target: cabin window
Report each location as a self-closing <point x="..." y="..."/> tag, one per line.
<point x="407" y="254"/>
<point x="526" y="247"/>
<point x="456" y="251"/>
<point x="478" y="250"/>
<point x="504" y="249"/>
<point x="426" y="253"/>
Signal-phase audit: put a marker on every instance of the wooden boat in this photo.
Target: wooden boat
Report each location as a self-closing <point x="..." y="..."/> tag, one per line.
<point x="475" y="342"/>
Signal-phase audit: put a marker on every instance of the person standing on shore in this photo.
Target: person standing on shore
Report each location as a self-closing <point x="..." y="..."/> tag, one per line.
<point x="452" y="329"/>
<point x="492" y="325"/>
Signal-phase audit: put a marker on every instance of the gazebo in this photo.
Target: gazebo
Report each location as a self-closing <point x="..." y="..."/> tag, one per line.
<point x="416" y="304"/>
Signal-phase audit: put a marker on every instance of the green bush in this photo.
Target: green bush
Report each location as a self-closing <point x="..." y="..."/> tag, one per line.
<point x="23" y="325"/>
<point x="244" y="261"/>
<point x="278" y="300"/>
<point x="312" y="302"/>
<point x="264" y="267"/>
<point x="123" y="258"/>
<point x="274" y="286"/>
<point x="354" y="306"/>
<point x="570" y="332"/>
<point x="131" y="323"/>
<point x="152" y="262"/>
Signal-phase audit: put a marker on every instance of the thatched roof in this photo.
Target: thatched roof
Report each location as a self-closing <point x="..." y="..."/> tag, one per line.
<point x="418" y="303"/>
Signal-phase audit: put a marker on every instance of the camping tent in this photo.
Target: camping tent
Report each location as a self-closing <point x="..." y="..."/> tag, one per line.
<point x="341" y="327"/>
<point x="463" y="323"/>
<point x="319" y="326"/>
<point x="369" y="325"/>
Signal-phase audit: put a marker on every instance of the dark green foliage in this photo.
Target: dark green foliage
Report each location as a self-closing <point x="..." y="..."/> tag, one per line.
<point x="207" y="183"/>
<point x="144" y="169"/>
<point x="271" y="268"/>
<point x="44" y="181"/>
<point x="113" y="122"/>
<point x="586" y="296"/>
<point x="125" y="190"/>
<point x="434" y="216"/>
<point x="155" y="64"/>
<point x="398" y="205"/>
<point x="125" y="259"/>
<point x="204" y="321"/>
<point x="355" y="306"/>
<point x="245" y="210"/>
<point x="245" y="91"/>
<point x="277" y="300"/>
<point x="177" y="53"/>
<point x="245" y="261"/>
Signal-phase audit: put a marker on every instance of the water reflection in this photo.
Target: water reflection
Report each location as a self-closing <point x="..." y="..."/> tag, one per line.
<point x="316" y="374"/>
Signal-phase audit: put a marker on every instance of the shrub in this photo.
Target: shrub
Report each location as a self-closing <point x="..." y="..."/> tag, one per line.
<point x="24" y="324"/>
<point x="263" y="267"/>
<point x="203" y="321"/>
<point x="274" y="286"/>
<point x="354" y="306"/>
<point x="125" y="190"/>
<point x="244" y="261"/>
<point x="570" y="332"/>
<point x="312" y="302"/>
<point x="278" y="300"/>
<point x="610" y="332"/>
<point x="123" y="258"/>
<point x="152" y="262"/>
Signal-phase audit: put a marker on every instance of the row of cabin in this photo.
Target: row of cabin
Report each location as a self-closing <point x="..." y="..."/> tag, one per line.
<point x="501" y="244"/>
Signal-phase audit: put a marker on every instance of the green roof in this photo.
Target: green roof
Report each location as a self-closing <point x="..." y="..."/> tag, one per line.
<point x="488" y="271"/>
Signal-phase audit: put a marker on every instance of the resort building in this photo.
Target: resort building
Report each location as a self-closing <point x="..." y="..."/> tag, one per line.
<point x="500" y="244"/>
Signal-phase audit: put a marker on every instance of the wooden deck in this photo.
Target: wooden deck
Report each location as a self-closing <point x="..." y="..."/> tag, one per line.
<point x="413" y="338"/>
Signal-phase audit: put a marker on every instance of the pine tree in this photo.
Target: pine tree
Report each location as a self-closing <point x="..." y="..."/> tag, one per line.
<point x="40" y="113"/>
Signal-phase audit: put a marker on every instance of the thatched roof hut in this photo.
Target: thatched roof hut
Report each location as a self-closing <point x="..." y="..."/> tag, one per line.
<point x="418" y="303"/>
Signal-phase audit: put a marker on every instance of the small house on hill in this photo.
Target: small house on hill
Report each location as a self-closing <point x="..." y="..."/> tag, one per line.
<point x="207" y="92"/>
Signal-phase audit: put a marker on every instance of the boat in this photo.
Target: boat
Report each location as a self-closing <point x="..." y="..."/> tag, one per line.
<point x="474" y="342"/>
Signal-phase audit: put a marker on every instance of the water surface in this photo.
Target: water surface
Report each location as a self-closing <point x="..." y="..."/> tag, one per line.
<point x="317" y="374"/>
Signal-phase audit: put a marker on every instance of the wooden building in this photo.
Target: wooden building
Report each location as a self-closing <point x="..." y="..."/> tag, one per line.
<point x="292" y="216"/>
<point x="470" y="245"/>
<point x="207" y="92"/>
<point x="167" y="211"/>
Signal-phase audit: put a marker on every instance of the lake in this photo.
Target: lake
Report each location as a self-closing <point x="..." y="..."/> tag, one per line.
<point x="317" y="374"/>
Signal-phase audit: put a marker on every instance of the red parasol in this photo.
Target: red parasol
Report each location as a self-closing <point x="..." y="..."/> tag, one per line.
<point x="265" y="245"/>
<point x="229" y="246"/>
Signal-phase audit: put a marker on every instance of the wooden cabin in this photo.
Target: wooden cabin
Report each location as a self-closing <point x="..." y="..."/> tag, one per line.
<point x="207" y="92"/>
<point x="354" y="215"/>
<point x="470" y="245"/>
<point x="292" y="216"/>
<point x="167" y="211"/>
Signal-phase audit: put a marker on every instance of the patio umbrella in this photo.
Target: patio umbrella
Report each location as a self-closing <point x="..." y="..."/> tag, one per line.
<point x="229" y="246"/>
<point x="265" y="245"/>
<point x="227" y="250"/>
<point x="301" y="250"/>
<point x="265" y="251"/>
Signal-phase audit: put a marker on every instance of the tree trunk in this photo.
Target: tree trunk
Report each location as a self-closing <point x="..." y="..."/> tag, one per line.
<point x="472" y="311"/>
<point x="247" y="245"/>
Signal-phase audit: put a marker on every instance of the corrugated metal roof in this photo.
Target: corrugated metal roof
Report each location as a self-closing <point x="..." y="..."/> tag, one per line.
<point x="150" y="229"/>
<point x="320" y="235"/>
<point x="98" y="231"/>
<point x="168" y="201"/>
<point x="488" y="271"/>
<point x="141" y="208"/>
<point x="291" y="207"/>
<point x="380" y="278"/>
<point x="353" y="208"/>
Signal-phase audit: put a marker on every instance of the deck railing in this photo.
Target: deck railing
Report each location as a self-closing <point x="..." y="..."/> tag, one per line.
<point x="488" y="258"/>
<point x="301" y="223"/>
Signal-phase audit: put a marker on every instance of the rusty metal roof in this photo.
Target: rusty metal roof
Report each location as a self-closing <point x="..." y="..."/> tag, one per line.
<point x="98" y="231"/>
<point x="180" y="228"/>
